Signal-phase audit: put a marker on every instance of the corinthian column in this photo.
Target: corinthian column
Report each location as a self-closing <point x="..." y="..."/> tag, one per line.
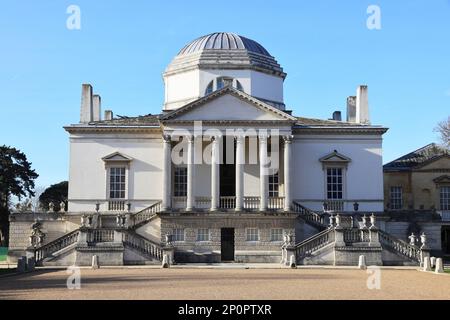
<point x="287" y="172"/>
<point x="240" y="160"/>
<point x="167" y="166"/>
<point x="190" y="174"/>
<point x="263" y="173"/>
<point x="215" y="178"/>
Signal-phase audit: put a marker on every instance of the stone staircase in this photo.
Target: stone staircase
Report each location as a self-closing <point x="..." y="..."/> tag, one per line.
<point x="411" y="253"/>
<point x="51" y="249"/>
<point x="142" y="217"/>
<point x="311" y="217"/>
<point x="149" y="249"/>
<point x="323" y="247"/>
<point x="92" y="239"/>
<point x="314" y="245"/>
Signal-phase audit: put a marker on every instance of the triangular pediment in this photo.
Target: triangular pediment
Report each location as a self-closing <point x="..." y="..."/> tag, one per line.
<point x="442" y="180"/>
<point x="435" y="163"/>
<point x="228" y="104"/>
<point x="335" y="157"/>
<point x="117" y="157"/>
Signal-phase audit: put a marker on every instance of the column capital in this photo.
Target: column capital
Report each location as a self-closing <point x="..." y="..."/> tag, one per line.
<point x="239" y="138"/>
<point x="215" y="138"/>
<point x="288" y="138"/>
<point x="167" y="138"/>
<point x="263" y="138"/>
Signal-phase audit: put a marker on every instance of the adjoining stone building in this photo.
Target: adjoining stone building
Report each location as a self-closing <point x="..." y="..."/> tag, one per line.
<point x="417" y="193"/>
<point x="224" y="173"/>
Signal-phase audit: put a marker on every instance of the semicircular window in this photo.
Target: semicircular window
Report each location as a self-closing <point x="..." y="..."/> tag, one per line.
<point x="239" y="86"/>
<point x="209" y="88"/>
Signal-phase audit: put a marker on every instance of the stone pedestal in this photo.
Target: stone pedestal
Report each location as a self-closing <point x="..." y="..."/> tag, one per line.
<point x="169" y="251"/>
<point x="30" y="259"/>
<point x="374" y="237"/>
<point x="426" y="264"/>
<point x="118" y="236"/>
<point x="22" y="264"/>
<point x="439" y="266"/>
<point x="82" y="237"/>
<point x="433" y="261"/>
<point x="339" y="236"/>
<point x="283" y="255"/>
<point x="291" y="260"/>
<point x="362" y="263"/>
<point x="424" y="254"/>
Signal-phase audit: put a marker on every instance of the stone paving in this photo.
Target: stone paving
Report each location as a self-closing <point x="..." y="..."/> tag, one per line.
<point x="226" y="283"/>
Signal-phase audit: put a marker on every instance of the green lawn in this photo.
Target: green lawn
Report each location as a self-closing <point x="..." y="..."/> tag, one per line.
<point x="3" y="253"/>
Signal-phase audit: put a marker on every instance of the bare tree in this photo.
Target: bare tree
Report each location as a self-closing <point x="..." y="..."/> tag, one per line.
<point x="443" y="128"/>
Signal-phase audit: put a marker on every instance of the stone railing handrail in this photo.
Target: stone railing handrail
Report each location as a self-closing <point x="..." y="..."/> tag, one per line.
<point x="146" y="214"/>
<point x="309" y="215"/>
<point x="100" y="235"/>
<point x="48" y="249"/>
<point x="314" y="243"/>
<point x="400" y="246"/>
<point x="355" y="235"/>
<point x="227" y="202"/>
<point x="143" y="245"/>
<point x="275" y="203"/>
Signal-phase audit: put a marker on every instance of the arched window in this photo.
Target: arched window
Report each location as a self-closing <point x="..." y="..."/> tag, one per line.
<point x="224" y="82"/>
<point x="209" y="88"/>
<point x="221" y="83"/>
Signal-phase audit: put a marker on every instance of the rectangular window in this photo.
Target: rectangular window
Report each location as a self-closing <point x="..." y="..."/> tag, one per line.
<point x="117" y="183"/>
<point x="273" y="185"/>
<point x="276" y="234"/>
<point x="396" y="201"/>
<point x="203" y="235"/>
<point x="178" y="235"/>
<point x="252" y="234"/>
<point x="335" y="185"/>
<point x="445" y="198"/>
<point x="180" y="183"/>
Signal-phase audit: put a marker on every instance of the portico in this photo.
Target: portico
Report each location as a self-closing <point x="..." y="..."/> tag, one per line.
<point x="252" y="159"/>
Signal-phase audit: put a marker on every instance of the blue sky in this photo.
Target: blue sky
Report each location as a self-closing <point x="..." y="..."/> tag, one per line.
<point x="124" y="46"/>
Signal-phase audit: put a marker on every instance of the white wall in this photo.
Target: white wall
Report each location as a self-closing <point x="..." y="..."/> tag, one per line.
<point x="182" y="88"/>
<point x="364" y="178"/>
<point x="87" y="171"/>
<point x="267" y="87"/>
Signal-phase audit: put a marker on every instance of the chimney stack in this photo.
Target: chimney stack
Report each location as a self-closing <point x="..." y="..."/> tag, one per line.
<point x="351" y="109"/>
<point x="337" y="116"/>
<point x="362" y="105"/>
<point x="97" y="107"/>
<point x="108" y="115"/>
<point x="86" y="114"/>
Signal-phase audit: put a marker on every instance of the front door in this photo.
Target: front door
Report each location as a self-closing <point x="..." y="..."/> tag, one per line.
<point x="445" y="237"/>
<point x="227" y="244"/>
<point x="228" y="171"/>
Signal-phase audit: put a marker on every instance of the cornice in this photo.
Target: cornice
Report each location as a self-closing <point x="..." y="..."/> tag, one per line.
<point x="115" y="129"/>
<point x="339" y="130"/>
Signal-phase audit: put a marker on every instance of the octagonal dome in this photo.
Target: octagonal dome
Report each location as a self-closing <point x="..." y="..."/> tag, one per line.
<point x="225" y="50"/>
<point x="224" y="41"/>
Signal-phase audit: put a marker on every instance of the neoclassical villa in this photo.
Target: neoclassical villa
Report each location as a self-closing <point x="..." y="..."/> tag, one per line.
<point x="224" y="173"/>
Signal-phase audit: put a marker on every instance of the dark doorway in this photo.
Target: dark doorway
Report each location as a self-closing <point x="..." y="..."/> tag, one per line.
<point x="445" y="237"/>
<point x="228" y="170"/>
<point x="227" y="244"/>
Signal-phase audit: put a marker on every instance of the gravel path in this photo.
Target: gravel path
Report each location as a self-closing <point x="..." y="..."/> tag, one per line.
<point x="236" y="284"/>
